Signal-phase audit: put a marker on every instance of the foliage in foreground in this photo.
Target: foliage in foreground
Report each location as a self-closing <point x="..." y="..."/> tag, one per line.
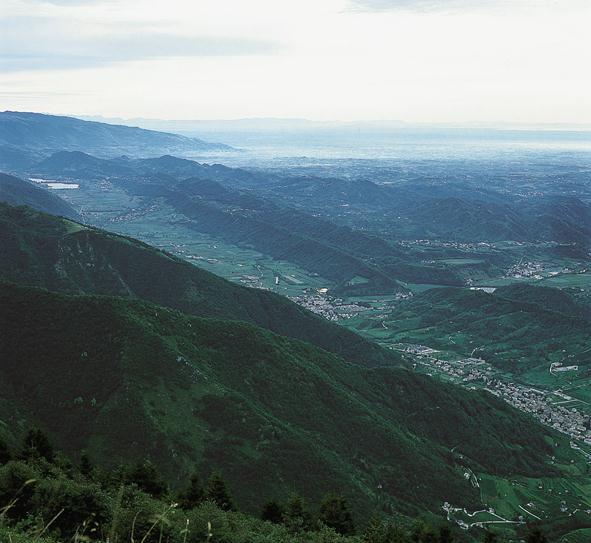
<point x="46" y="499"/>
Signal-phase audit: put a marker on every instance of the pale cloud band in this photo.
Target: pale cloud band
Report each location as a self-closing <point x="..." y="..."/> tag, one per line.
<point x="41" y="43"/>
<point x="451" y="6"/>
<point x="416" y="60"/>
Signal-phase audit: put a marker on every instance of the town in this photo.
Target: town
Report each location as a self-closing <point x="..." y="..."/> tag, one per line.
<point x="332" y="309"/>
<point x="547" y="406"/>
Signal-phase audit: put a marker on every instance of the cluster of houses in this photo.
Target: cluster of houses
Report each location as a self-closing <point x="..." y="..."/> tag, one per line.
<point x="448" y="244"/>
<point x="525" y="269"/>
<point x="568" y="420"/>
<point x="332" y="309"/>
<point x="553" y="409"/>
<point x="466" y="369"/>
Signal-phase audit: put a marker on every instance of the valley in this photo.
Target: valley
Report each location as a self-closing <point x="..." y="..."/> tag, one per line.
<point x="460" y="295"/>
<point x="295" y="272"/>
<point x="482" y="266"/>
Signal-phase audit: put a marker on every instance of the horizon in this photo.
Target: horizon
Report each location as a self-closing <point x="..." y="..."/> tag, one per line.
<point x="274" y="122"/>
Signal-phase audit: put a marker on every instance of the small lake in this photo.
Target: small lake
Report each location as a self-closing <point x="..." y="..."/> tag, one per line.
<point x="54" y="184"/>
<point x="63" y="185"/>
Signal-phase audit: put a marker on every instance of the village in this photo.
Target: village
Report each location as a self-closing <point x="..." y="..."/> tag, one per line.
<point x="549" y="407"/>
<point x="540" y="403"/>
<point x="330" y="308"/>
<point x="525" y="269"/>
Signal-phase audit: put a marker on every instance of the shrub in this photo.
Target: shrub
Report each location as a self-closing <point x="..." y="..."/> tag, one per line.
<point x="17" y="485"/>
<point x="78" y="506"/>
<point x="36" y="445"/>
<point x="136" y="514"/>
<point x="335" y="512"/>
<point x="217" y="492"/>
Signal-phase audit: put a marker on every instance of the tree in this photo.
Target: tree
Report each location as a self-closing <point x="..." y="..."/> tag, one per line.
<point x="217" y="492"/>
<point x="86" y="466"/>
<point x="5" y="455"/>
<point x="490" y="537"/>
<point x="272" y="512"/>
<point x="296" y="517"/>
<point x="18" y="481"/>
<point x="535" y="536"/>
<point x="147" y="478"/>
<point x="193" y="495"/>
<point x="379" y="531"/>
<point x="445" y="535"/>
<point x="421" y="533"/>
<point x="36" y="445"/>
<point x="335" y="512"/>
<point x="375" y="532"/>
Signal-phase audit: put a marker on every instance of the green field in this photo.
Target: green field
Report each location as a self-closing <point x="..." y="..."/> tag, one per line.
<point x="157" y="226"/>
<point x="577" y="536"/>
<point x="461" y="261"/>
<point x="578" y="280"/>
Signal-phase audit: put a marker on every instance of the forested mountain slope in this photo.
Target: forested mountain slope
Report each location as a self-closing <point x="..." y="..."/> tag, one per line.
<point x="124" y="378"/>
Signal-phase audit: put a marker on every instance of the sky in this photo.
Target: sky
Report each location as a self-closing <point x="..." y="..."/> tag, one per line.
<point x="425" y="61"/>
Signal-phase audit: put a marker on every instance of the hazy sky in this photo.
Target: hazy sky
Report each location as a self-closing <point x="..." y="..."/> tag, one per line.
<point x="415" y="60"/>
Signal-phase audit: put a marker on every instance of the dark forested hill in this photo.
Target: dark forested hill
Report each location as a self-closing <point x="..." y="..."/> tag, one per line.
<point x="214" y="206"/>
<point x="18" y="192"/>
<point x="125" y="379"/>
<point x="320" y="246"/>
<point x="80" y="165"/>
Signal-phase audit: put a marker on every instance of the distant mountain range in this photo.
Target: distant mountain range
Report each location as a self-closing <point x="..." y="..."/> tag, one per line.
<point x="269" y="124"/>
<point x="26" y="136"/>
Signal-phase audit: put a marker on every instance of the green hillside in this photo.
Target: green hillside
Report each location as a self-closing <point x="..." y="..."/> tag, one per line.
<point x="125" y="379"/>
<point x="517" y="327"/>
<point x="141" y="354"/>
<point x="61" y="255"/>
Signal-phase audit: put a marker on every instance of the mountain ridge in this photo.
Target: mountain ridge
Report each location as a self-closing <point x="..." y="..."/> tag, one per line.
<point x="41" y="132"/>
